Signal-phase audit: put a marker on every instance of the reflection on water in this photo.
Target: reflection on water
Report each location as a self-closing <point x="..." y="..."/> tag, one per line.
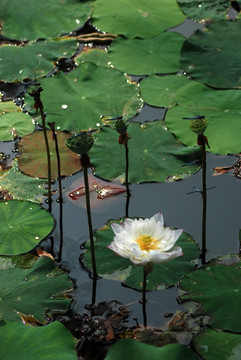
<point x="180" y="209"/>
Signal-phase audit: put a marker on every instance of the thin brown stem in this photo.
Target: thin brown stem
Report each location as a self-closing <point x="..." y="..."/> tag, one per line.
<point x="48" y="158"/>
<point x="39" y="105"/>
<point x="52" y="126"/>
<point x="84" y="163"/>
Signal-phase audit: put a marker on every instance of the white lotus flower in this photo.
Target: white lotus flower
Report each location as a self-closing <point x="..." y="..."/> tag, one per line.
<point x="145" y="240"/>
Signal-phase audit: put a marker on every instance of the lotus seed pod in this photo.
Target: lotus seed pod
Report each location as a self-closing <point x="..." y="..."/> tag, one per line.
<point x="121" y="126"/>
<point x="80" y="143"/>
<point x="198" y="125"/>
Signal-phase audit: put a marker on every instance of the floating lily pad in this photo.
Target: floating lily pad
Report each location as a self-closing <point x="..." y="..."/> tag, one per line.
<point x="13" y="122"/>
<point x="209" y="343"/>
<point x="86" y="94"/>
<point x="217" y="288"/>
<point x="22" y="187"/>
<point x="137" y="350"/>
<point x="154" y="154"/>
<point x="31" y="288"/>
<point x="22" y="225"/>
<point x="205" y="9"/>
<point x="33" y="159"/>
<point x="183" y="97"/>
<point x="42" y="19"/>
<point x="112" y="266"/>
<point x="208" y="55"/>
<point x="33" y="60"/>
<point x="160" y="54"/>
<point x="97" y="56"/>
<point x="36" y="342"/>
<point x="136" y="18"/>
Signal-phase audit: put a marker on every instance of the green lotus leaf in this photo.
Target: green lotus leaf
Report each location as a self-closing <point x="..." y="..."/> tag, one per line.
<point x="97" y="56"/>
<point x="205" y="9"/>
<point x="31" y="290"/>
<point x="137" y="350"/>
<point x="160" y="54"/>
<point x="22" y="225"/>
<point x="112" y="266"/>
<point x="209" y="343"/>
<point x="86" y="94"/>
<point x="34" y="59"/>
<point x="20" y="186"/>
<point x="154" y="154"/>
<point x="36" y="342"/>
<point x="182" y="95"/>
<point x="13" y="122"/>
<point x="33" y="159"/>
<point x="208" y="55"/>
<point x="136" y="18"/>
<point x="217" y="288"/>
<point x="42" y="19"/>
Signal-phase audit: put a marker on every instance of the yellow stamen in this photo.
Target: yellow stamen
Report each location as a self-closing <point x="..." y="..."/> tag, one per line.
<point x="147" y="242"/>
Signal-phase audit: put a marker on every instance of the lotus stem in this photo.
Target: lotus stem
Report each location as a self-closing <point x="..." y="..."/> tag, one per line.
<point x="204" y="198"/>
<point x="94" y="285"/>
<point x="52" y="127"/>
<point x="143" y="301"/>
<point x="39" y="105"/>
<point x="121" y="128"/>
<point x="85" y="164"/>
<point x="128" y="194"/>
<point x="48" y="158"/>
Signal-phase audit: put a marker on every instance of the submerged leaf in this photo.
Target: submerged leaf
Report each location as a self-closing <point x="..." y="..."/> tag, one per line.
<point x="99" y="189"/>
<point x="106" y="322"/>
<point x="33" y="159"/>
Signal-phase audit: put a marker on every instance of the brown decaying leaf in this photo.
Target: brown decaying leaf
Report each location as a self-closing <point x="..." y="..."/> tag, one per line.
<point x="96" y="38"/>
<point x="32" y="159"/>
<point x="5" y="162"/>
<point x="99" y="189"/>
<point x="219" y="170"/>
<point x="236" y="167"/>
<point x="29" y="320"/>
<point x="5" y="195"/>
<point x="41" y="252"/>
<point x="106" y="323"/>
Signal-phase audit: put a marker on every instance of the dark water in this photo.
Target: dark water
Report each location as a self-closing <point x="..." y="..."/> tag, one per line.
<point x="180" y="209"/>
